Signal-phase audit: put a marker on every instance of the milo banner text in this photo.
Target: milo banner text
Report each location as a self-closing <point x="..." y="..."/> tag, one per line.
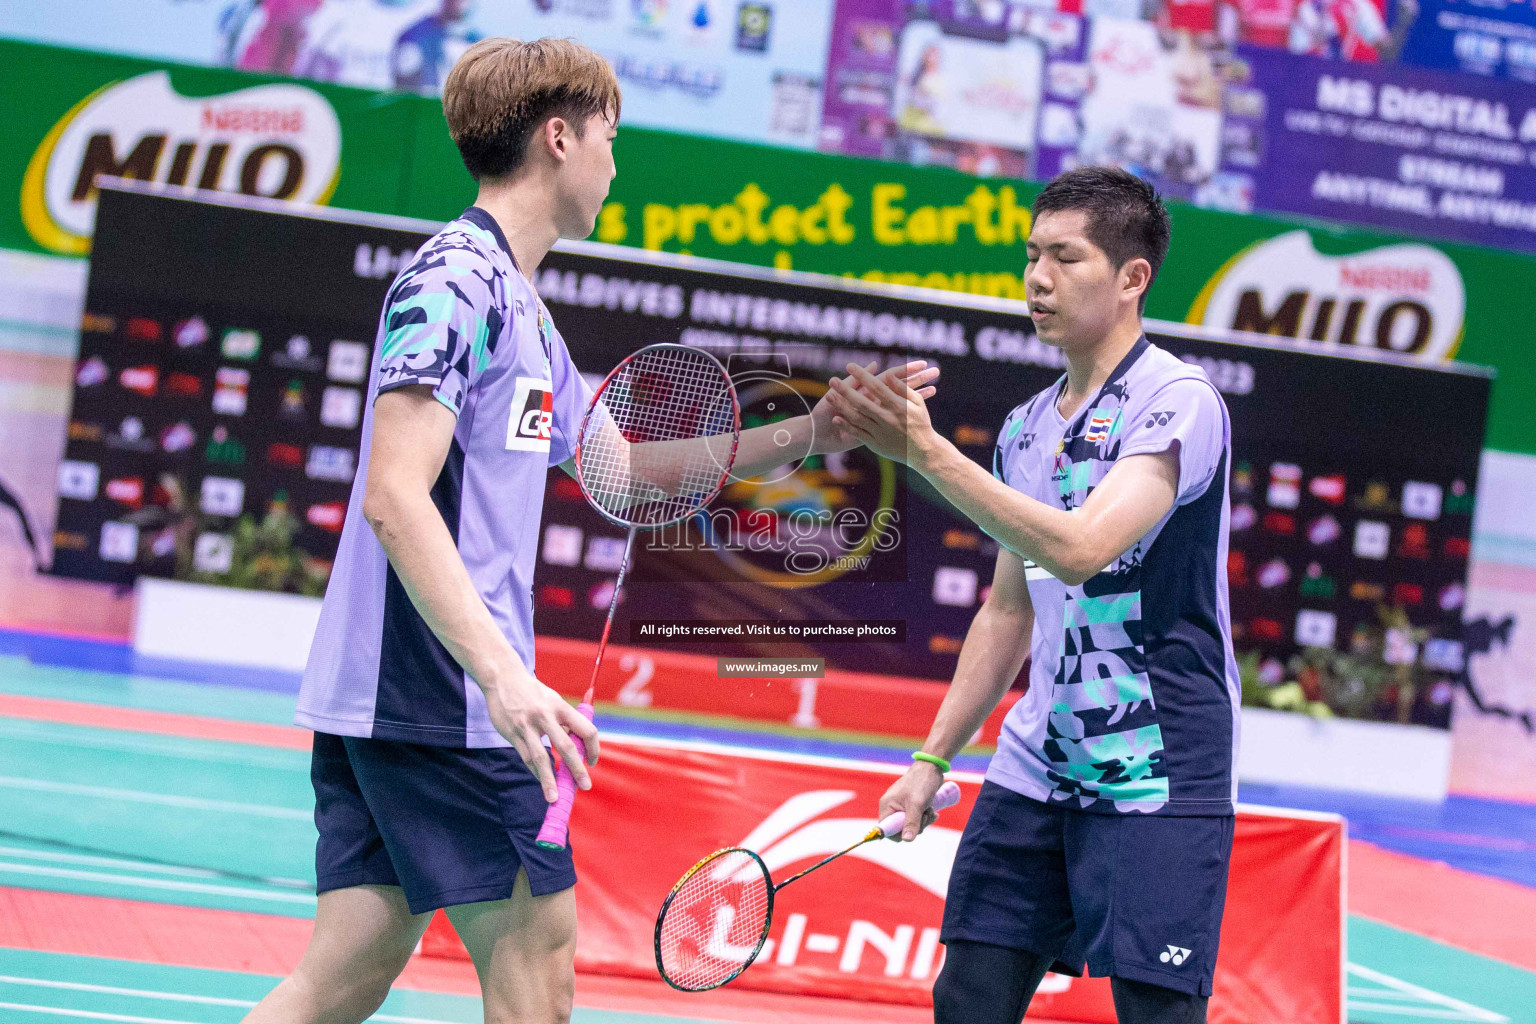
<point x="867" y="927"/>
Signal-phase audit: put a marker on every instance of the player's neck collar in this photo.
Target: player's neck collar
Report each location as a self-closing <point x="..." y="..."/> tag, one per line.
<point x="482" y="218"/>
<point x="1121" y="369"/>
<point x="1129" y="360"/>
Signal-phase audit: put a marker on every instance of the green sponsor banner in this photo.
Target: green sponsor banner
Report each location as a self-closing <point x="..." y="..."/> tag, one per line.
<point x="85" y="113"/>
<point x="73" y="115"/>
<point x="941" y="229"/>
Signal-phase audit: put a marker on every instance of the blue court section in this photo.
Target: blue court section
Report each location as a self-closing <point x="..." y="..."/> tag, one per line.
<point x="1490" y="837"/>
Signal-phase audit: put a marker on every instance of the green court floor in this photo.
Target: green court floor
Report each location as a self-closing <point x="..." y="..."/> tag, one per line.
<point x="191" y="822"/>
<point x="47" y="986"/>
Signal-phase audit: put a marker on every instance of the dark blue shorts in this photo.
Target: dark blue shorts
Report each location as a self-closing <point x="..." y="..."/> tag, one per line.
<point x="1135" y="896"/>
<point x="447" y="825"/>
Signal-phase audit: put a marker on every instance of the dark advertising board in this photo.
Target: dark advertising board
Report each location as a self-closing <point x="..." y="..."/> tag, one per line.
<point x="221" y="377"/>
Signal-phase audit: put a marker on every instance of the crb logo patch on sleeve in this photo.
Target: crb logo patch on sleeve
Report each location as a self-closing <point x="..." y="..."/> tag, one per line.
<point x="533" y="406"/>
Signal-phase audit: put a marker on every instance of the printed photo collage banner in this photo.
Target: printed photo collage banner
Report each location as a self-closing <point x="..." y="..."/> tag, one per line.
<point x="1216" y="119"/>
<point x="1410" y="115"/>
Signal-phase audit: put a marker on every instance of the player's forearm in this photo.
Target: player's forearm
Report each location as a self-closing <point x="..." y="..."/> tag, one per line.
<point x="424" y="556"/>
<point x="994" y="651"/>
<point x="673" y="466"/>
<point x="773" y="444"/>
<point x="1058" y="541"/>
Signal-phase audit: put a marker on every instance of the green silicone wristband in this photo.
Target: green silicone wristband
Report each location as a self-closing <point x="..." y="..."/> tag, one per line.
<point x="933" y="759"/>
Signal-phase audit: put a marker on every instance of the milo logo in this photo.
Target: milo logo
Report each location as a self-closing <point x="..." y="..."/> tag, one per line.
<point x="275" y="141"/>
<point x="1406" y="298"/>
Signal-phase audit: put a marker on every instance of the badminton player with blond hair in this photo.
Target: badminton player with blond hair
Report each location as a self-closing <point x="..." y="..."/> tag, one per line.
<point x="430" y="773"/>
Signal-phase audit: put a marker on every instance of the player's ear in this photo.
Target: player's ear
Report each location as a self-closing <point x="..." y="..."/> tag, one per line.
<point x="1136" y="276"/>
<point x="556" y="137"/>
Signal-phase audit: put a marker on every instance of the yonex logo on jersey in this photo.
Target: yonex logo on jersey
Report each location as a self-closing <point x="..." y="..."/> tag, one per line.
<point x="533" y="406"/>
<point x="1160" y="419"/>
<point x="1175" y="955"/>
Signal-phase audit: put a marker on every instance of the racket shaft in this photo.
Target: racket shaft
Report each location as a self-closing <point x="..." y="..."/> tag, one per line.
<point x="613" y="604"/>
<point x="947" y="796"/>
<point x="557" y="819"/>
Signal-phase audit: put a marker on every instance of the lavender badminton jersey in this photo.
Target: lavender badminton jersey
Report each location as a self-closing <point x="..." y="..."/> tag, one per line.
<point x="1133" y="688"/>
<point x="462" y="320"/>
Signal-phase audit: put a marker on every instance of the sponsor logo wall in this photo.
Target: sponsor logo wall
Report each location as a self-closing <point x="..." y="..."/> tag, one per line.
<point x="1222" y="119"/>
<point x="748" y="69"/>
<point x="1390" y="514"/>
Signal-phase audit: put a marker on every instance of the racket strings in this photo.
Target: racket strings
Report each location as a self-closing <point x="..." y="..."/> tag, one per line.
<point x="661" y="395"/>
<point x="715" y="921"/>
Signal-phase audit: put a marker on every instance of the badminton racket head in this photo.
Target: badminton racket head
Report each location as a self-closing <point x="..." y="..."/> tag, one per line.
<point x="662" y="393"/>
<point x="715" y="920"/>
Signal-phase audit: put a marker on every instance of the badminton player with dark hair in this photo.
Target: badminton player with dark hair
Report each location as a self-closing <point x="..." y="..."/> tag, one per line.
<point x="430" y="774"/>
<point x="1103" y="830"/>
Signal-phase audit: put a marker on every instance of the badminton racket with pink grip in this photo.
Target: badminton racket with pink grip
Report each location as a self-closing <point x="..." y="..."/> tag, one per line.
<point x="656" y="446"/>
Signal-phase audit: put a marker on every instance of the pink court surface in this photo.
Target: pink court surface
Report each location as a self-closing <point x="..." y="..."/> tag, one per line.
<point x="156" y="866"/>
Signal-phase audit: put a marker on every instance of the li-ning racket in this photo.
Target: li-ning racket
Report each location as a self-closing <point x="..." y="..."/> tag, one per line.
<point x="656" y="445"/>
<point x="715" y="920"/>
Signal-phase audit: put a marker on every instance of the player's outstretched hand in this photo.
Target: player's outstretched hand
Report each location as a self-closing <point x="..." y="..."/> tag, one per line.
<point x="882" y="412"/>
<point x="830" y="436"/>
<point x="525" y="712"/>
<point x="912" y="794"/>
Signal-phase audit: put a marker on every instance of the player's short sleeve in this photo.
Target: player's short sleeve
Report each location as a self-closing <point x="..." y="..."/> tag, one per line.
<point x="1008" y="438"/>
<point x="999" y="460"/>
<point x="438" y="325"/>
<point x="572" y="396"/>
<point x="1190" y="412"/>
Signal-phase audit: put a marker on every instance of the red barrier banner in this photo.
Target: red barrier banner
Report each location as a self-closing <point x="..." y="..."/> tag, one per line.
<point x="638" y="677"/>
<point x="867" y="926"/>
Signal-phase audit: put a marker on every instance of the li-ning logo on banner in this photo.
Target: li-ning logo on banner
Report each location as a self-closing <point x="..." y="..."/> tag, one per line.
<point x="789" y="835"/>
<point x="838" y="935"/>
<point x="275" y="141"/>
<point x="533" y="408"/>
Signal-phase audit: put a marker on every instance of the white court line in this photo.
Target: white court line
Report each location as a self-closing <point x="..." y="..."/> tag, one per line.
<point x="179" y="997"/>
<point x="1355" y="992"/>
<point x="1442" y="1007"/>
<point x="166" y="799"/>
<point x="54" y="1011"/>
<point x="148" y="867"/>
<point x="156" y="883"/>
<point x="1419" y="1011"/>
<point x="112" y="990"/>
<point x="179" y="748"/>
